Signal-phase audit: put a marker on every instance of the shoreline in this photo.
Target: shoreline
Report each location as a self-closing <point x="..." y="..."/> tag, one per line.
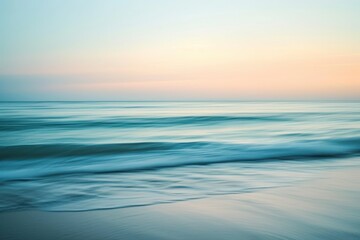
<point x="324" y="208"/>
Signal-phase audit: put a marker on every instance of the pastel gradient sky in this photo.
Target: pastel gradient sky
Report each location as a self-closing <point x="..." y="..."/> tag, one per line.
<point x="179" y="49"/>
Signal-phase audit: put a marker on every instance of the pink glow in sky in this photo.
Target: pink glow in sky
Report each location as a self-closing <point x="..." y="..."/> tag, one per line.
<point x="180" y="50"/>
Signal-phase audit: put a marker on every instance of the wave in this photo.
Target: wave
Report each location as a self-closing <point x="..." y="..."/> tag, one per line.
<point x="13" y="124"/>
<point x="73" y="150"/>
<point x="134" y="157"/>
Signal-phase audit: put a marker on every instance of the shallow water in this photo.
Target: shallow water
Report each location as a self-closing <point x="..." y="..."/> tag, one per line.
<point x="78" y="156"/>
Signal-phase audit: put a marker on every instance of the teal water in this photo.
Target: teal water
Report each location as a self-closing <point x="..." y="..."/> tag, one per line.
<point x="78" y="156"/>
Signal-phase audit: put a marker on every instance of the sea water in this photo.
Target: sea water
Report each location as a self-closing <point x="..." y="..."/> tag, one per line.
<point x="78" y="156"/>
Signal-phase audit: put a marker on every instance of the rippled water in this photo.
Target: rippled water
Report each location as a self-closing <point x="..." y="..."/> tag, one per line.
<point x="76" y="156"/>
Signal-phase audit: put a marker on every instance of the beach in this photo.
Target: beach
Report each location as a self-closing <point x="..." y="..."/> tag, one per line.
<point x="326" y="207"/>
<point x="179" y="170"/>
<point x="179" y="120"/>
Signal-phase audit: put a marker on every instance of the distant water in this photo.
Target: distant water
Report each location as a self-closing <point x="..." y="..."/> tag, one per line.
<point x="78" y="156"/>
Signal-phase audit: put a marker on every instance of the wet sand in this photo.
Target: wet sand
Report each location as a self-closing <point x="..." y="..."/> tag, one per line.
<point x="325" y="208"/>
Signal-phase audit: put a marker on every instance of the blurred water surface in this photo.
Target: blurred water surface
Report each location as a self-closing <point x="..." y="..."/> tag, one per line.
<point x="78" y="156"/>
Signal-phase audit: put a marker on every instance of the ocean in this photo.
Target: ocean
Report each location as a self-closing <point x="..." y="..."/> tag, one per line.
<point x="80" y="156"/>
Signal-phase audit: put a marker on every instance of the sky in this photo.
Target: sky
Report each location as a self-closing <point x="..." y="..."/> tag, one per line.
<point x="179" y="49"/>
